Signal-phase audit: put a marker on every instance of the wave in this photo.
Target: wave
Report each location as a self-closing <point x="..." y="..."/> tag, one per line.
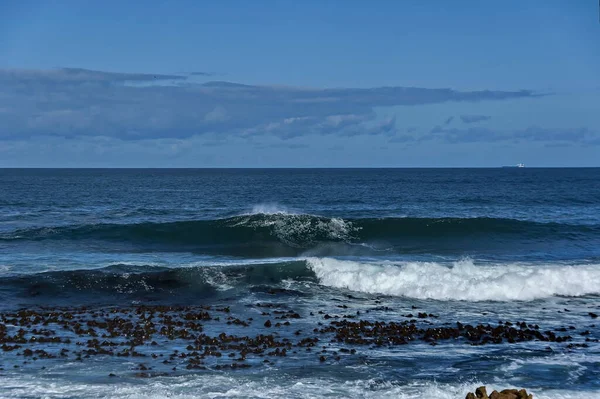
<point x="275" y="233"/>
<point x="151" y="282"/>
<point x="278" y="233"/>
<point x="295" y="230"/>
<point x="462" y="281"/>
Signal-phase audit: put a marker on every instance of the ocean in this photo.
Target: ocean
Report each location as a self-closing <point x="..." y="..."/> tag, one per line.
<point x="299" y="283"/>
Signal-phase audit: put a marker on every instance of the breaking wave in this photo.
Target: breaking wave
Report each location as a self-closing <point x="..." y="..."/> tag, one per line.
<point x="463" y="281"/>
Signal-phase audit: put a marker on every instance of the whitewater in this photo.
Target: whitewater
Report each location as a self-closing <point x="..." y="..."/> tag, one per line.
<point x="462" y="280"/>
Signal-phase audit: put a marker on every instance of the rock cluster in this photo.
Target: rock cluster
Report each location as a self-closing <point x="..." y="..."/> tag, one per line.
<point x="211" y="337"/>
<point x="481" y="393"/>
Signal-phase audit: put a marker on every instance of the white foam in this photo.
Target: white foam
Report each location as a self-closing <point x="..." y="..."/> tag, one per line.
<point x="226" y="386"/>
<point x="297" y="229"/>
<point x="269" y="209"/>
<point x="460" y="281"/>
<point x="301" y="228"/>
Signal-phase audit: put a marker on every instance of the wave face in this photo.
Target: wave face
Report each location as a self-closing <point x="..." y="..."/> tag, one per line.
<point x="152" y="282"/>
<point x="462" y="281"/>
<point x="283" y="234"/>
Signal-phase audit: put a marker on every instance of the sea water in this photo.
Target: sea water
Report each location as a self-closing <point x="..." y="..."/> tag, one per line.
<point x="474" y="246"/>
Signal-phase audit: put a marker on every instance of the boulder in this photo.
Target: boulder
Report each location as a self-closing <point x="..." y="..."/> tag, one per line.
<point x="481" y="393"/>
<point x="523" y="395"/>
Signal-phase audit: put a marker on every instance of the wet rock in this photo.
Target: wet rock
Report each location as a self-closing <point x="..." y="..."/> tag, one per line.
<point x="481" y="393"/>
<point x="146" y="331"/>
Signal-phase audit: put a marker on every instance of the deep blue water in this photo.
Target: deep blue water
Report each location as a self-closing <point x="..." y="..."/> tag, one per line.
<point x="469" y="245"/>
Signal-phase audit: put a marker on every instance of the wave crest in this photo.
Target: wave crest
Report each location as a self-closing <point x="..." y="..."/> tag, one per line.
<point x="269" y="209"/>
<point x="299" y="230"/>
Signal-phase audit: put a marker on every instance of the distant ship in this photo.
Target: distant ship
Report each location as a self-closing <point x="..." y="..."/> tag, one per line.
<point x="519" y="165"/>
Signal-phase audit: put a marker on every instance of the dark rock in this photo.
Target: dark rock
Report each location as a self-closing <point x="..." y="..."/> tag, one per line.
<point x="481" y="393"/>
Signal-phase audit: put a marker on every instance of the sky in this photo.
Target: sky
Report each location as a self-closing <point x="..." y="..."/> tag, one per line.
<point x="313" y="83"/>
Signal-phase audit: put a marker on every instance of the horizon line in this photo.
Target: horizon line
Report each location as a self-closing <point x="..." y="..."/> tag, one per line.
<point x="290" y="167"/>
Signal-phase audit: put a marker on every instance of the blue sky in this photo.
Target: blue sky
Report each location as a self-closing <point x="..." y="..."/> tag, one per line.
<point x="299" y="84"/>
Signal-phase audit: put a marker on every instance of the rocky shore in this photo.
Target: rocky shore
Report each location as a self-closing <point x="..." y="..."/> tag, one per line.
<point x="213" y="337"/>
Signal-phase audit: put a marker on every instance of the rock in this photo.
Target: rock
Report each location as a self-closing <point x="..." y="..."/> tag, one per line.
<point x="510" y="394"/>
<point x="481" y="393"/>
<point x="506" y="394"/>
<point x="523" y="395"/>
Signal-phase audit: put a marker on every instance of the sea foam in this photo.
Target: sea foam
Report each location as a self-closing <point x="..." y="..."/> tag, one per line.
<point x="461" y="280"/>
<point x="228" y="386"/>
